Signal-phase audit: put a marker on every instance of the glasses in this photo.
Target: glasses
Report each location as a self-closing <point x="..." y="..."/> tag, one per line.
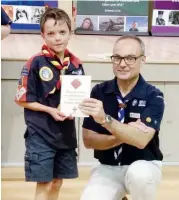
<point x="129" y="60"/>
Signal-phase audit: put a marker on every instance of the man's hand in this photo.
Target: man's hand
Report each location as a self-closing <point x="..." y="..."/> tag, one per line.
<point x="94" y="108"/>
<point x="70" y="117"/>
<point x="56" y="114"/>
<point x="138" y="124"/>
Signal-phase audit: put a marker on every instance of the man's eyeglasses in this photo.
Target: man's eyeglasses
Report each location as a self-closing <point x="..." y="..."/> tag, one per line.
<point x="129" y="60"/>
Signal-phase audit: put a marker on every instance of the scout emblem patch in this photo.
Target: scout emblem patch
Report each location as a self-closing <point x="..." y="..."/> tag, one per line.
<point x="148" y="119"/>
<point x="134" y="102"/>
<point x="46" y="74"/>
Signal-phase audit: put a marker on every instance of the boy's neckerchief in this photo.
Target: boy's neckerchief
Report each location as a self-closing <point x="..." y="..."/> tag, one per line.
<point x="50" y="55"/>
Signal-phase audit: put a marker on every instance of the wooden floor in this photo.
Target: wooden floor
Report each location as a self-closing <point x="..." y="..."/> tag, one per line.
<point x="87" y="48"/>
<point x="14" y="187"/>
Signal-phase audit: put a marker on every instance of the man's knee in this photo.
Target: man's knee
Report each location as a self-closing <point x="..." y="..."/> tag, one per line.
<point x="139" y="175"/>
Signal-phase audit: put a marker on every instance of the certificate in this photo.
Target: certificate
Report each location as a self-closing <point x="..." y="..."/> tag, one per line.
<point x="74" y="89"/>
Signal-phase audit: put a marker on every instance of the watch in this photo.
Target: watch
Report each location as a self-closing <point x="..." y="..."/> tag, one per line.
<point x="108" y="120"/>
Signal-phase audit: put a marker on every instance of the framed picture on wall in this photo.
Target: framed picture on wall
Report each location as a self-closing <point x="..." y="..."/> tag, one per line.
<point x="102" y="17"/>
<point x="165" y="21"/>
<point x="25" y="15"/>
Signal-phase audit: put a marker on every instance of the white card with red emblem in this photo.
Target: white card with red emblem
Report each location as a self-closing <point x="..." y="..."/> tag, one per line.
<point x="74" y="89"/>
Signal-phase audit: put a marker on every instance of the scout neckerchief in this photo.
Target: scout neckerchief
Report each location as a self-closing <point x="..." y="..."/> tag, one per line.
<point x="56" y="62"/>
<point x="121" y="115"/>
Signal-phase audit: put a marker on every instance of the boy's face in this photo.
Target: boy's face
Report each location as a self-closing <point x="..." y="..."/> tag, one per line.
<point x="56" y="36"/>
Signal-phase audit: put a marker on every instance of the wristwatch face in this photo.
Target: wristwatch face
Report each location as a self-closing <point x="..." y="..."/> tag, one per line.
<point x="108" y="119"/>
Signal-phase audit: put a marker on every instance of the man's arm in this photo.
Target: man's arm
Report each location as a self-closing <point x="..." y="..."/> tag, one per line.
<point x="94" y="140"/>
<point x="131" y="135"/>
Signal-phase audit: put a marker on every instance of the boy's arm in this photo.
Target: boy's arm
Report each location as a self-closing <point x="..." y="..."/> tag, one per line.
<point x="35" y="106"/>
<point x="26" y="95"/>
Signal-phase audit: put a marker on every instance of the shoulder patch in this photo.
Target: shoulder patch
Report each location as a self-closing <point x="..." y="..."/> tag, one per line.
<point x="25" y="71"/>
<point x="46" y="73"/>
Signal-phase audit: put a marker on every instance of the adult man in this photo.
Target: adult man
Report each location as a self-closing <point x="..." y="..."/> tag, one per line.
<point x="5" y="24"/>
<point x="123" y="127"/>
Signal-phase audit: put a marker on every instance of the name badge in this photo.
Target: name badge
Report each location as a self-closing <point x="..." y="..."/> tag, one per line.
<point x="134" y="115"/>
<point x="142" y="103"/>
<point x="77" y="72"/>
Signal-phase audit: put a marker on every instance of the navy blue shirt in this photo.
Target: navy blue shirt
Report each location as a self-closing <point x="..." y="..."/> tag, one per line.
<point x="5" y="20"/>
<point x="145" y="102"/>
<point x="39" y="83"/>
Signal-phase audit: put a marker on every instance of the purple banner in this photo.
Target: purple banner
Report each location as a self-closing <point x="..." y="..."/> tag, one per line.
<point x="165" y="20"/>
<point x="168" y="5"/>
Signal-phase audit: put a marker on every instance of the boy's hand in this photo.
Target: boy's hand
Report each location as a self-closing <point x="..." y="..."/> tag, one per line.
<point x="56" y="114"/>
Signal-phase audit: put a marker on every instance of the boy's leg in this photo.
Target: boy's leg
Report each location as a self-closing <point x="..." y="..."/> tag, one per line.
<point x="39" y="164"/>
<point x="55" y="188"/>
<point x="142" y="179"/>
<point x="65" y="167"/>
<point x="48" y="190"/>
<point x="65" y="164"/>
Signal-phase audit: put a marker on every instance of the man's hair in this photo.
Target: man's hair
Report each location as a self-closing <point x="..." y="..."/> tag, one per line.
<point x="56" y="14"/>
<point x="141" y="43"/>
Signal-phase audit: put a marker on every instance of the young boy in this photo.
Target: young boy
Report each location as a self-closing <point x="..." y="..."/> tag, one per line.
<point x="50" y="137"/>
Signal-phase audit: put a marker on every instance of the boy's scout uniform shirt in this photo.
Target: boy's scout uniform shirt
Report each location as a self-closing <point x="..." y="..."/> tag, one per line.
<point x="39" y="82"/>
<point x="144" y="102"/>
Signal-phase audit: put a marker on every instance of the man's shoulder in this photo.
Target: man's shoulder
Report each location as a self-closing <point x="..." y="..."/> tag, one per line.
<point x="153" y="91"/>
<point x="103" y="85"/>
<point x="100" y="90"/>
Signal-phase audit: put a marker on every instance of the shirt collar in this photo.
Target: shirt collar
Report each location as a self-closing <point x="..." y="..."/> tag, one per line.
<point x="139" y="91"/>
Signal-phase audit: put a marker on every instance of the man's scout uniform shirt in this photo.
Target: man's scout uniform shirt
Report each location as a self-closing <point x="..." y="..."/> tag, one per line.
<point x="144" y="102"/>
<point x="40" y="82"/>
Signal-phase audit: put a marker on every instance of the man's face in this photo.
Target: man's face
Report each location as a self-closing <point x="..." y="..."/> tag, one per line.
<point x="56" y="36"/>
<point x="130" y="49"/>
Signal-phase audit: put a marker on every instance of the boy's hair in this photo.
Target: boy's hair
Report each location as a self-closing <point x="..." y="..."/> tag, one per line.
<point x="56" y="14"/>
